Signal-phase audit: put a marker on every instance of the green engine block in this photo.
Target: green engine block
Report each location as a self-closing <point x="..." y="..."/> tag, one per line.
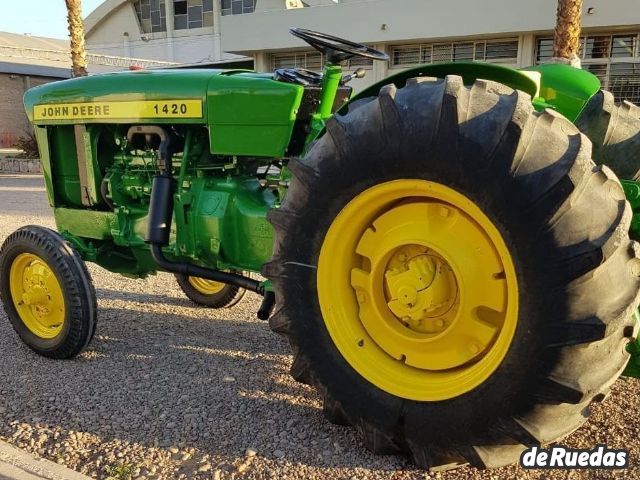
<point x="220" y="202"/>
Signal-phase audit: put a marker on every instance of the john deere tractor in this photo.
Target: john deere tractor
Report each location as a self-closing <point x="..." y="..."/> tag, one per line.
<point x="449" y="252"/>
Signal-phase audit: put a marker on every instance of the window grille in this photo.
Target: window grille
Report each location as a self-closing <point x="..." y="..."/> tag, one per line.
<point x="613" y="58"/>
<point x="494" y="51"/>
<point x="312" y="60"/>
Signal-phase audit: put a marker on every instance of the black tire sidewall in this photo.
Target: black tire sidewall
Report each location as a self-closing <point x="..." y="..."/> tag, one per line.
<point x="511" y="391"/>
<point x="532" y="175"/>
<point x="506" y="393"/>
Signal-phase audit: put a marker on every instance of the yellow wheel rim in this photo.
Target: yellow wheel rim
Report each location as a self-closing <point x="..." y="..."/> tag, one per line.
<point x="37" y="295"/>
<point x="206" y="287"/>
<point x="418" y="290"/>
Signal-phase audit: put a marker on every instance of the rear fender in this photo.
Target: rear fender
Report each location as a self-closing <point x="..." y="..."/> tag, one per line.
<point x="564" y="88"/>
<point x="470" y="72"/>
<point x="561" y="87"/>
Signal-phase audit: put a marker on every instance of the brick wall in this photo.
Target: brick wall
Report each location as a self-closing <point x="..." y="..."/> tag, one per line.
<point x="13" y="120"/>
<point x="19" y="165"/>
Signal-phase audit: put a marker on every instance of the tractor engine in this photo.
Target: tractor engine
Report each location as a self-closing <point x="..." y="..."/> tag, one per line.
<point x="218" y="199"/>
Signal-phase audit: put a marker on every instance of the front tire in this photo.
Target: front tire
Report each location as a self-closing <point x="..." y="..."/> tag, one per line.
<point x="574" y="283"/>
<point x="47" y="292"/>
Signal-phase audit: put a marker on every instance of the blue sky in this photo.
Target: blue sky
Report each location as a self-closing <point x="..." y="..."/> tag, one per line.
<point x="43" y="18"/>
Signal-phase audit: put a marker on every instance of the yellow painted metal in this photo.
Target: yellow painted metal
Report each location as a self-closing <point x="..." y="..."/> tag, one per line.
<point x="206" y="287"/>
<point x="37" y="295"/>
<point x="418" y="290"/>
<point x="134" y="110"/>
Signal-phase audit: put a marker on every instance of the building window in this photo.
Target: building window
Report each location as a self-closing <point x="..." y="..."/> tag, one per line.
<point x="613" y="58"/>
<point x="308" y="60"/>
<point x="151" y="15"/>
<point x="411" y="54"/>
<point x="493" y="51"/>
<point x="238" y="7"/>
<point x="192" y="14"/>
<point x="313" y="60"/>
<point x="497" y="51"/>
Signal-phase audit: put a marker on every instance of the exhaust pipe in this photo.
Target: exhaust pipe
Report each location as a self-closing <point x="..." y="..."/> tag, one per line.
<point x="268" y="304"/>
<point x="159" y="229"/>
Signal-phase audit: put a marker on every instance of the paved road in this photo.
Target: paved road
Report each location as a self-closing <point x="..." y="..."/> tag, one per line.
<point x="170" y="390"/>
<point x="16" y="464"/>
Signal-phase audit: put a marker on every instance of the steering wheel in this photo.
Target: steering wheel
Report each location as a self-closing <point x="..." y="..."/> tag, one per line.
<point x="337" y="49"/>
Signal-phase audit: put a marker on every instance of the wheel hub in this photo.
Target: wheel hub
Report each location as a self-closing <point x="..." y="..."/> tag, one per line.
<point x="35" y="296"/>
<point x="420" y="289"/>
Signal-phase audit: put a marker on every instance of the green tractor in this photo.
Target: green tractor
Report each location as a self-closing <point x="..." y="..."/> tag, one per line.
<point x="449" y="253"/>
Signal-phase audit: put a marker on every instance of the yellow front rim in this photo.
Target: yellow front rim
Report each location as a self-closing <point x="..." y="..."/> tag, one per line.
<point x="206" y="287"/>
<point x="418" y="290"/>
<point x="37" y="295"/>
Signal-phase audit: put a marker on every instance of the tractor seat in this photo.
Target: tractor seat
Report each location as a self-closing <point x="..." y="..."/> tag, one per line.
<point x="300" y="76"/>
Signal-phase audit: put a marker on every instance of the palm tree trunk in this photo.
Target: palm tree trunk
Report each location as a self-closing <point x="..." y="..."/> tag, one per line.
<point x="76" y="33"/>
<point x="566" y="44"/>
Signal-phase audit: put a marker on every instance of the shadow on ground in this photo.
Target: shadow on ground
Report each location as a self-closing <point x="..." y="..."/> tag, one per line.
<point x="164" y="379"/>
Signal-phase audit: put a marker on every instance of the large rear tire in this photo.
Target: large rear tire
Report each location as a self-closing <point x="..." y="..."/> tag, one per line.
<point x="614" y="131"/>
<point x="551" y="226"/>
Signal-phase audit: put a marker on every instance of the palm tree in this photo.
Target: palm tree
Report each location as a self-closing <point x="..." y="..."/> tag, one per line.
<point x="566" y="44"/>
<point x="76" y="33"/>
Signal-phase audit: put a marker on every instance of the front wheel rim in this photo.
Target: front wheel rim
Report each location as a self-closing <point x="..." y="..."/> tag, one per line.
<point x="37" y="296"/>
<point x="418" y="290"/>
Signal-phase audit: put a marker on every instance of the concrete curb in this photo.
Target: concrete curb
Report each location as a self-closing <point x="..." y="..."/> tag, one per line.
<point x="18" y="465"/>
<point x="19" y="165"/>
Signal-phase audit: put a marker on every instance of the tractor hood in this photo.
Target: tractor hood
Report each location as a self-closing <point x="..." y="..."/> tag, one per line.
<point x="247" y="113"/>
<point x="122" y="96"/>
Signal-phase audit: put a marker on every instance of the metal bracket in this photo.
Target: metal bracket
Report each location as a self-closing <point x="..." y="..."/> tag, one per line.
<point x="80" y="132"/>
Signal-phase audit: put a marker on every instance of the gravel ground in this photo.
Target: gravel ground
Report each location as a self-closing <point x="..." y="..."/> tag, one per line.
<point x="170" y="390"/>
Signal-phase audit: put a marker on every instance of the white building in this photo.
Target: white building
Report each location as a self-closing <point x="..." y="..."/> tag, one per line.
<point x="510" y="32"/>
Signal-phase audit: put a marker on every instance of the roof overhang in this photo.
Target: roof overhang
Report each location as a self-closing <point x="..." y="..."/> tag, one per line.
<point x="34" y="70"/>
